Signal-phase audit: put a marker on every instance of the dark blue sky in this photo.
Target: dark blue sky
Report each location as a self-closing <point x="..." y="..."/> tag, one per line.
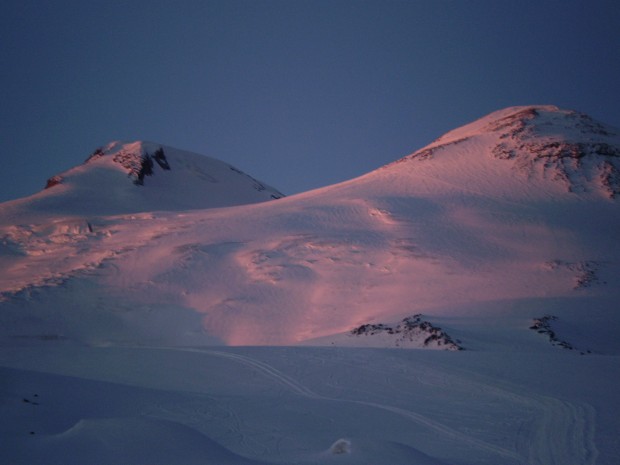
<point x="299" y="94"/>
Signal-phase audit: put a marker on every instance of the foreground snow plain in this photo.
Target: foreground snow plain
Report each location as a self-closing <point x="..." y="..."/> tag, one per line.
<point x="223" y="335"/>
<point x="199" y="405"/>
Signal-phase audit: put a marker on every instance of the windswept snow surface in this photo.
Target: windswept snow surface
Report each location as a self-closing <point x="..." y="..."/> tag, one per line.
<point x="129" y="306"/>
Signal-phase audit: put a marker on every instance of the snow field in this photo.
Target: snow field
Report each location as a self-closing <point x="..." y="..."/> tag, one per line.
<point x="304" y="406"/>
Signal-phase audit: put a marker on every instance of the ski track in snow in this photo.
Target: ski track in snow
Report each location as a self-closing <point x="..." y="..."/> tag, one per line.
<point x="562" y="433"/>
<point x="267" y="370"/>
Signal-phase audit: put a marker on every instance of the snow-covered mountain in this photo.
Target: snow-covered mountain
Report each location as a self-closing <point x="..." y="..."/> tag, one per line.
<point x="506" y="207"/>
<point x="143" y="176"/>
<point x="499" y="242"/>
<point x="516" y="206"/>
<point x="543" y="143"/>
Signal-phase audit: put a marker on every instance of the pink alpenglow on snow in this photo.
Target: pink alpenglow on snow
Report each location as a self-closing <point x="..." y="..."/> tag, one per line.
<point x="473" y="218"/>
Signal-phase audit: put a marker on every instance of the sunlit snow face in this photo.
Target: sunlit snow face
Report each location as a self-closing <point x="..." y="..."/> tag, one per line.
<point x="441" y="236"/>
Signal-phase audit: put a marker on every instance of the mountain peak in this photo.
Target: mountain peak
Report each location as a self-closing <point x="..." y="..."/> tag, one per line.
<point x="535" y="119"/>
<point x="542" y="142"/>
<point x="547" y="121"/>
<point x="127" y="177"/>
<point x="136" y="158"/>
<point x="531" y="120"/>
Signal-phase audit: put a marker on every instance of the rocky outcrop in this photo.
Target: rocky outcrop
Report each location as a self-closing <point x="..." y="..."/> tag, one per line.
<point x="408" y="330"/>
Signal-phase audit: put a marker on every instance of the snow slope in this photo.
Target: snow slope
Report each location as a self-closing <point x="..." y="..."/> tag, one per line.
<point x="500" y="238"/>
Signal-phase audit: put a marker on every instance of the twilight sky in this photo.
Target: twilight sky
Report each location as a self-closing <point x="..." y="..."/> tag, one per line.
<point x="300" y="94"/>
